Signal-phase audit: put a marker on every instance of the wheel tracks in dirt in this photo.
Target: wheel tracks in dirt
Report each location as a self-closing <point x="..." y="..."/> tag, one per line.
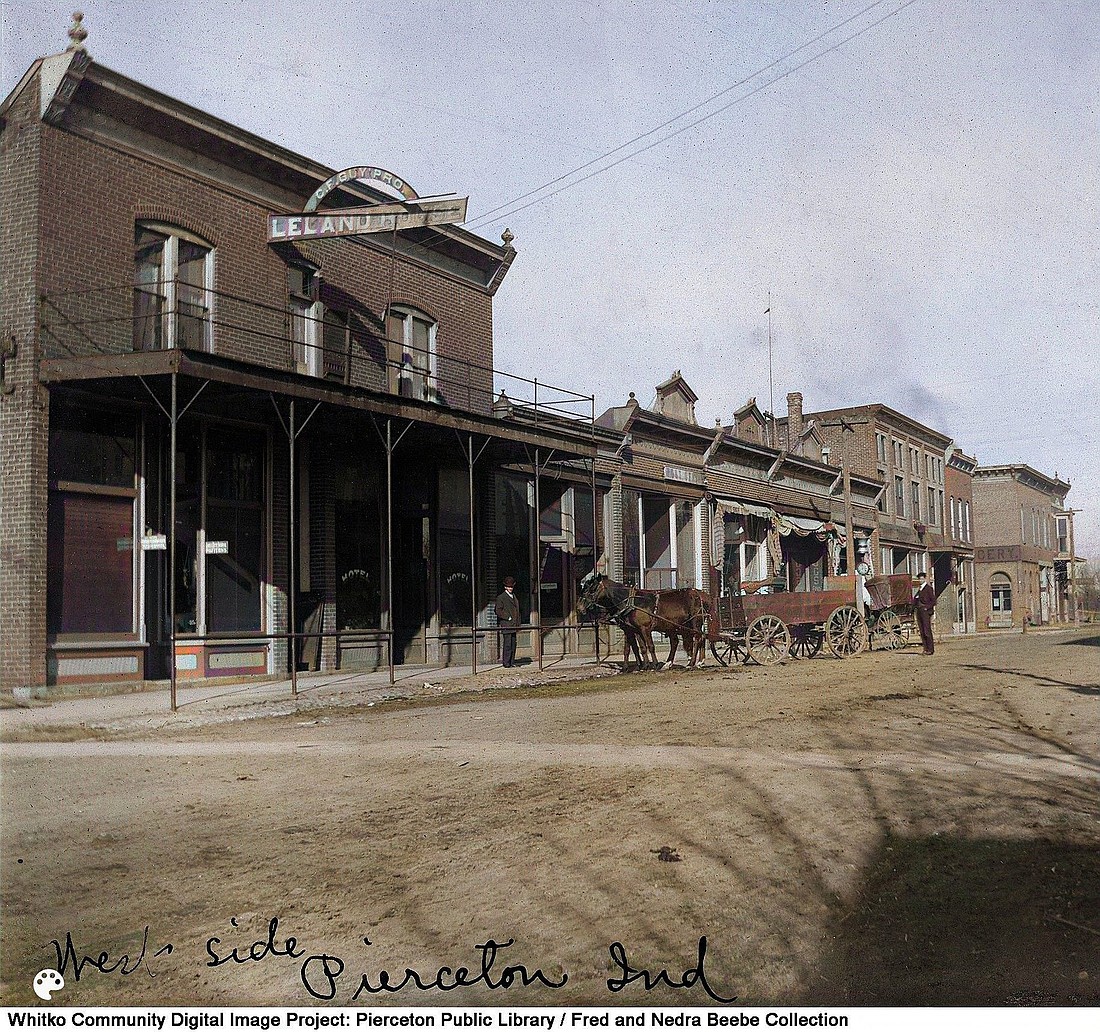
<point x="503" y="753"/>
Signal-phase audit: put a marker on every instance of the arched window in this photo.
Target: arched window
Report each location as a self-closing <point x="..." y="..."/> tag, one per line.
<point x="173" y="289"/>
<point x="410" y="353"/>
<point x="1000" y="595"/>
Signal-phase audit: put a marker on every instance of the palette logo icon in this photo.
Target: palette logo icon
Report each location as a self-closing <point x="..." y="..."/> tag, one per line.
<point x="47" y="981"/>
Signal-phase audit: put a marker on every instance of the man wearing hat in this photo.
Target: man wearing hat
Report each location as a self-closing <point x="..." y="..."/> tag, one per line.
<point x="924" y="605"/>
<point x="507" y="610"/>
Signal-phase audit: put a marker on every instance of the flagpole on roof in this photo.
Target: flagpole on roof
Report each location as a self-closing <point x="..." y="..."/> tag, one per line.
<point x="771" y="381"/>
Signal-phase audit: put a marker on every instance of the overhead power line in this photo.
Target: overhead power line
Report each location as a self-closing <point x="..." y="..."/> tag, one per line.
<point x="507" y="208"/>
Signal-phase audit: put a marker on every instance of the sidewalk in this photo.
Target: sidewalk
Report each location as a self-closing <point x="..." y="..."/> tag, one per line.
<point x="218" y="702"/>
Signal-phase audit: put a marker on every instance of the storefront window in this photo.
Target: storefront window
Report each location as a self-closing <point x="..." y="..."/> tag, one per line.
<point x="358" y="547"/>
<point x="685" y="545"/>
<point x="455" y="589"/>
<point x="513" y="534"/>
<point x="90" y="523"/>
<point x="632" y="552"/>
<point x="234" y="532"/>
<point x="584" y="551"/>
<point x="657" y="539"/>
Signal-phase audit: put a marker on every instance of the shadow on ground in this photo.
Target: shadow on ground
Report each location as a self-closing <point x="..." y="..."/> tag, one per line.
<point x="949" y="921"/>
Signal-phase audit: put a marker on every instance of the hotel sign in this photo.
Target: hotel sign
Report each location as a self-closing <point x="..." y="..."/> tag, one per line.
<point x="377" y="218"/>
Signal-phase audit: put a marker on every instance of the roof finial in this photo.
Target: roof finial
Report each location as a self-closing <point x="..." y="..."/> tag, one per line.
<point x="77" y="32"/>
<point x="507" y="236"/>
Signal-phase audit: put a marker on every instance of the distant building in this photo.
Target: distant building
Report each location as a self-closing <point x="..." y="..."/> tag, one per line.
<point x="1017" y="545"/>
<point x="956" y="605"/>
<point x="909" y="460"/>
<point x="692" y="506"/>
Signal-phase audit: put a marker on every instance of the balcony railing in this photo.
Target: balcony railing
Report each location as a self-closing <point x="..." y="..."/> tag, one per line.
<point x="347" y="347"/>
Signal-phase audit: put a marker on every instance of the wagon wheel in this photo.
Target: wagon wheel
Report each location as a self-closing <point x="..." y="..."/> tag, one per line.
<point x="806" y="641"/>
<point x="768" y="640"/>
<point x="728" y="651"/>
<point x="889" y="627"/>
<point x="846" y="632"/>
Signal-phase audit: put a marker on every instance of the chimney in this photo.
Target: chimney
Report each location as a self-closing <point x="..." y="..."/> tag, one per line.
<point x="794" y="419"/>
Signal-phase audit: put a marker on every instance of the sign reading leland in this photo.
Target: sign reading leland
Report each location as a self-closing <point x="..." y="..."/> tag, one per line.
<point x="379" y="218"/>
<point x="410" y="212"/>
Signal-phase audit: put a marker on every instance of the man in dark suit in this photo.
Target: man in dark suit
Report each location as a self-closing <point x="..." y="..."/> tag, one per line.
<point x="507" y="610"/>
<point x="924" y="605"/>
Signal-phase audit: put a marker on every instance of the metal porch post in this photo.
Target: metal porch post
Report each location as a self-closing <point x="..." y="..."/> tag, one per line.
<point x="473" y="563"/>
<point x="172" y="420"/>
<point x="292" y="641"/>
<point x="538" y="561"/>
<point x="389" y="543"/>
<point x="595" y="551"/>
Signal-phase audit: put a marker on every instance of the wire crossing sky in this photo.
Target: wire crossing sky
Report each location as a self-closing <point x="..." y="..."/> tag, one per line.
<point x="914" y="181"/>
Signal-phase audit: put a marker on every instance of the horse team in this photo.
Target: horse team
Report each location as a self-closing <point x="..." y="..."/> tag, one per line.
<point x="681" y="614"/>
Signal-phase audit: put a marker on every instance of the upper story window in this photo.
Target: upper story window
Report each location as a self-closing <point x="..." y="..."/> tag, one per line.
<point x="899" y="455"/>
<point x="1062" y="523"/>
<point x="173" y="289"/>
<point x="899" y="496"/>
<point x="880" y="448"/>
<point x="411" y="354"/>
<point x="303" y="289"/>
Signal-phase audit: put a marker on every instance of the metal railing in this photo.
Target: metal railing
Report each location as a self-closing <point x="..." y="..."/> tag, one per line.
<point x="347" y="346"/>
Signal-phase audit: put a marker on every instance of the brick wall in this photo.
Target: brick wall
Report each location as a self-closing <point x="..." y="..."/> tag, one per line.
<point x="24" y="406"/>
<point x="93" y="194"/>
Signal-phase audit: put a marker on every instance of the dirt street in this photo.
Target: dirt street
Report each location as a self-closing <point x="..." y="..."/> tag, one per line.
<point x="888" y="829"/>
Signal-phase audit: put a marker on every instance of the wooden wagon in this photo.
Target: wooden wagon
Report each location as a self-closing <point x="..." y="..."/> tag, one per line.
<point x="769" y="628"/>
<point x="890" y="614"/>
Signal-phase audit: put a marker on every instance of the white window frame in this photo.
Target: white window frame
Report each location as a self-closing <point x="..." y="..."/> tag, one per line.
<point x="170" y="281"/>
<point x="407" y="313"/>
<point x="307" y="353"/>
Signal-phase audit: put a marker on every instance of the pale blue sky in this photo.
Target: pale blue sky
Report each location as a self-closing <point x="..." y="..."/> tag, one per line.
<point x="921" y="201"/>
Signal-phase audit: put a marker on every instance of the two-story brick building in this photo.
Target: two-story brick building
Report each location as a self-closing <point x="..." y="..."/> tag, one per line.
<point x="1016" y="545"/>
<point x="224" y="420"/>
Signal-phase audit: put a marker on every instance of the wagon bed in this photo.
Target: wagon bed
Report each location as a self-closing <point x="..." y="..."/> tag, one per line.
<point x="768" y="628"/>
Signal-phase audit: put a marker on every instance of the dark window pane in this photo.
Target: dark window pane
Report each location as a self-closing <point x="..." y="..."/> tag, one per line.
<point x="513" y="532"/>
<point x="233" y="577"/>
<point x="93" y="447"/>
<point x="234" y="533"/>
<point x="631" y="538"/>
<point x="90" y="564"/>
<point x="454" y="547"/>
<point x="358" y="548"/>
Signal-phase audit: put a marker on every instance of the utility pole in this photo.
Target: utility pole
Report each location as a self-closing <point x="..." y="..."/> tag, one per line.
<point x="849" y="535"/>
<point x="1073" y="572"/>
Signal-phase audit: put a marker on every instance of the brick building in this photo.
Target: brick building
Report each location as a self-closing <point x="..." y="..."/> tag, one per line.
<point x="956" y="605"/>
<point x="910" y="460"/>
<point x="715" y="508"/>
<point x="217" y="431"/>
<point x="1018" y="513"/>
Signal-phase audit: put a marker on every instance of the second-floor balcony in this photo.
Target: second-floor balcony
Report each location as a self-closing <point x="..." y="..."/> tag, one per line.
<point x="348" y="345"/>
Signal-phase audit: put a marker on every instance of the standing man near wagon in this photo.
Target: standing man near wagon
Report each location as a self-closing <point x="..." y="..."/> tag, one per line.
<point x="924" y="605"/>
<point x="507" y="610"/>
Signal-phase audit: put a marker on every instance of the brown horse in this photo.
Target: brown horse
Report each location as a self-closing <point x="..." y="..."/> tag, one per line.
<point x="678" y="613"/>
<point x="631" y="637"/>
